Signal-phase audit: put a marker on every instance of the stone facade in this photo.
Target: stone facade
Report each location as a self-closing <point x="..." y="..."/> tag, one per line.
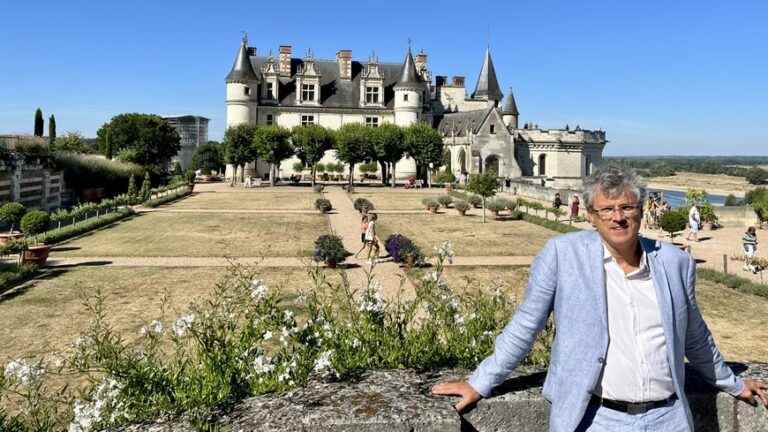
<point x="479" y="133"/>
<point x="193" y="131"/>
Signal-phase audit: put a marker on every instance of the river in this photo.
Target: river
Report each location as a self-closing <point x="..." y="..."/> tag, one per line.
<point x="677" y="198"/>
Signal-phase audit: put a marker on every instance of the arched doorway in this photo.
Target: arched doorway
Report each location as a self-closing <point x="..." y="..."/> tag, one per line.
<point x="492" y="164"/>
<point x="542" y="164"/>
<point x="462" y="161"/>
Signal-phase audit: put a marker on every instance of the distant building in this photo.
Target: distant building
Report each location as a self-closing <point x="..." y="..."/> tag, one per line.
<point x="481" y="130"/>
<point x="193" y="131"/>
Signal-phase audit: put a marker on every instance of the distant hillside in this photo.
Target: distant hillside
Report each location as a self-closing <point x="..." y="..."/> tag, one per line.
<point x="663" y="166"/>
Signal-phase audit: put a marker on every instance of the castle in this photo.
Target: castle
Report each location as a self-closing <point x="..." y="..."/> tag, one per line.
<point x="480" y="132"/>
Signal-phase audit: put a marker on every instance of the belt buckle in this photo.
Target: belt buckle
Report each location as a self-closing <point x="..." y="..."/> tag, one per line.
<point x="637" y="408"/>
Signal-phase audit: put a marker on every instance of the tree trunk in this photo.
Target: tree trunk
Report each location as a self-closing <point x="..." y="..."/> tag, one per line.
<point x="383" y="165"/>
<point x="313" y="171"/>
<point x="271" y="174"/>
<point x="483" y="209"/>
<point x="351" y="175"/>
<point x="394" y="177"/>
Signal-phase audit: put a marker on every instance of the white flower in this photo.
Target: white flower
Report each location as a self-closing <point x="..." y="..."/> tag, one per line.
<point x="288" y="315"/>
<point x="22" y="372"/>
<point x="263" y="365"/>
<point x="87" y="414"/>
<point x="267" y="335"/>
<point x="445" y="251"/>
<point x="459" y="319"/>
<point x="355" y="343"/>
<point x="182" y="325"/>
<point x="258" y="290"/>
<point x="323" y="364"/>
<point x="156" y="327"/>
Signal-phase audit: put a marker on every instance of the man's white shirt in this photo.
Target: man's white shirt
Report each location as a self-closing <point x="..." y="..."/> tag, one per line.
<point x="636" y="368"/>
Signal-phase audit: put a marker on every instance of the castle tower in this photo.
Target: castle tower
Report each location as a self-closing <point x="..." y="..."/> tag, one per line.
<point x="242" y="88"/>
<point x="487" y="87"/>
<point x="408" y="93"/>
<point x="510" y="114"/>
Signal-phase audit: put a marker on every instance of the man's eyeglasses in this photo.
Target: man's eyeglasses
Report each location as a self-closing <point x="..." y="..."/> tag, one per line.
<point x="606" y="213"/>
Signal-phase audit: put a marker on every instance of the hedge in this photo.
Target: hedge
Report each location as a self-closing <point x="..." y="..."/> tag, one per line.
<point x="551" y="224"/>
<point x="737" y="283"/>
<point x="58" y="235"/>
<point x="186" y="190"/>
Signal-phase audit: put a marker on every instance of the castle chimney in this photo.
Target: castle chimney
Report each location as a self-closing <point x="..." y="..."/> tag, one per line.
<point x="344" y="59"/>
<point x="421" y="63"/>
<point x="284" y="61"/>
<point x="458" y="81"/>
<point x="440" y="80"/>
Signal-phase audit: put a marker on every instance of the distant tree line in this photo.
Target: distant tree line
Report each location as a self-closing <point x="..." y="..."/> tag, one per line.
<point x="663" y="166"/>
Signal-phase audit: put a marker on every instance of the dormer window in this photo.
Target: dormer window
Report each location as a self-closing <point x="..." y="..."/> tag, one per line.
<point x="371" y="95"/>
<point x="307" y="92"/>
<point x="270" y="91"/>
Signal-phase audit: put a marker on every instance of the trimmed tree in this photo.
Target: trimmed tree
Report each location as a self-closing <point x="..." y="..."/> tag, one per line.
<point x="672" y="222"/>
<point x="354" y="145"/>
<point x="310" y="143"/>
<point x="51" y="130"/>
<point x="131" y="187"/>
<point x="238" y="147"/>
<point x="208" y="157"/>
<point x="71" y="142"/>
<point x="389" y="148"/>
<point x="146" y="187"/>
<point x="425" y="146"/>
<point x="272" y="143"/>
<point x="485" y="185"/>
<point x="150" y="140"/>
<point x="39" y="122"/>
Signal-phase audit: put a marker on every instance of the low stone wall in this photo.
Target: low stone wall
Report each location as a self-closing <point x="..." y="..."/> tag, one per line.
<point x="543" y="193"/>
<point x="736" y="216"/>
<point x="400" y="401"/>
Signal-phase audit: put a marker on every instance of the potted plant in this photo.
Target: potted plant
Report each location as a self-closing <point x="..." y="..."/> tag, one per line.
<point x="11" y="214"/>
<point x="323" y="205"/>
<point x="33" y="223"/>
<point x="362" y="205"/>
<point x="445" y="200"/>
<point x="495" y="206"/>
<point x="431" y="204"/>
<point x="708" y="216"/>
<point x="330" y="250"/>
<point x="461" y="207"/>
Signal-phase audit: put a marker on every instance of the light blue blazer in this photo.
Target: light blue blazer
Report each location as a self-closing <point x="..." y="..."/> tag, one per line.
<point x="568" y="277"/>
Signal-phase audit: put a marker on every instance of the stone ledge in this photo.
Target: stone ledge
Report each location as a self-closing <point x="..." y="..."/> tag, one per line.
<point x="400" y="401"/>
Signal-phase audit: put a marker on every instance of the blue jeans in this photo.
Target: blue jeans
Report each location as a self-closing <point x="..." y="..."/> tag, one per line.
<point x="671" y="418"/>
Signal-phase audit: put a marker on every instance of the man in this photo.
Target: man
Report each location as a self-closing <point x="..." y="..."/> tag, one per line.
<point x="694" y="221"/>
<point x="626" y="316"/>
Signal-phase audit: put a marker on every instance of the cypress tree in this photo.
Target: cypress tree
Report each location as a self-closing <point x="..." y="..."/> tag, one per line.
<point x="51" y="130"/>
<point x="108" y="147"/>
<point x="146" y="187"/>
<point x="39" y="122"/>
<point x="131" y="187"/>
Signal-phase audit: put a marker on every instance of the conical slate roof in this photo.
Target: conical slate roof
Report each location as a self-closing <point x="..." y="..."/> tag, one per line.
<point x="510" y="107"/>
<point x="242" y="71"/>
<point x="408" y="74"/>
<point x="487" y="85"/>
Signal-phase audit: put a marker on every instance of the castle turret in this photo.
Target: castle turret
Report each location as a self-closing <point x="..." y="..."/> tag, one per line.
<point x="487" y="87"/>
<point x="242" y="88"/>
<point x="408" y="93"/>
<point x="510" y="114"/>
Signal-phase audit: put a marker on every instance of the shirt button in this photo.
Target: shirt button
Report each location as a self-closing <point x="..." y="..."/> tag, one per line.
<point x="601" y="360"/>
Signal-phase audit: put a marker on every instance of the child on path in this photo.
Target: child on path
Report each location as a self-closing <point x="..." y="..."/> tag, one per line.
<point x="371" y="239"/>
<point x="363" y="230"/>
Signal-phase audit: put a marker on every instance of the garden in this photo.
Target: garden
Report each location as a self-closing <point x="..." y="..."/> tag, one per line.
<point x="284" y="198"/>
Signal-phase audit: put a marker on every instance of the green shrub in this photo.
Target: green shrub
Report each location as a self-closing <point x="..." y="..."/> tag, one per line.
<point x="35" y="222"/>
<point x="444" y="176"/>
<point x="330" y="249"/>
<point x="476" y="201"/>
<point x="734" y="282"/>
<point x="708" y="213"/>
<point x="510" y="205"/>
<point x="732" y="201"/>
<point x="91" y="171"/>
<point x="549" y="224"/>
<point x="323" y="205"/>
<point x="11" y="213"/>
<point x="363" y="205"/>
<point x="180" y="192"/>
<point x="461" y="206"/>
<point x="146" y="187"/>
<point x="445" y="200"/>
<point x="69" y="231"/>
<point x="673" y="222"/>
<point x="495" y="206"/>
<point x="430" y="204"/>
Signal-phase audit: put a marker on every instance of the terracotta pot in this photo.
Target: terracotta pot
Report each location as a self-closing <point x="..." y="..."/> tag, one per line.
<point x="331" y="264"/>
<point x="37" y="255"/>
<point x="708" y="226"/>
<point x="9" y="237"/>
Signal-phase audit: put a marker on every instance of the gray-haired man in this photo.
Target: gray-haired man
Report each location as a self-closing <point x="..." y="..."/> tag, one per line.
<point x="626" y="317"/>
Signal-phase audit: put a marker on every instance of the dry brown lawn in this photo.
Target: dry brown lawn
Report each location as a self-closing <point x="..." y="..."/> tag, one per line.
<point x="713" y="183"/>
<point x="270" y="199"/>
<point x="48" y="315"/>
<point x="469" y="235"/>
<point x="395" y="200"/>
<point x="202" y="234"/>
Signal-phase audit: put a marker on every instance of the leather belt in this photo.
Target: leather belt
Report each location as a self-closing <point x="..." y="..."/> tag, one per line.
<point x="632" y="407"/>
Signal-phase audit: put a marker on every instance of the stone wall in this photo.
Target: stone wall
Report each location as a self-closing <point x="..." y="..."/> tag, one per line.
<point x="736" y="216"/>
<point x="400" y="401"/>
<point x="544" y="193"/>
<point x="31" y="185"/>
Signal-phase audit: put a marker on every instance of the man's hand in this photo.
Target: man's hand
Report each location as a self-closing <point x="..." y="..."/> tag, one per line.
<point x="459" y="388"/>
<point x="754" y="389"/>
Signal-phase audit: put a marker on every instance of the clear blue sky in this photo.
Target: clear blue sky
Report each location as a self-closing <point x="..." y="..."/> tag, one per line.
<point x="682" y="77"/>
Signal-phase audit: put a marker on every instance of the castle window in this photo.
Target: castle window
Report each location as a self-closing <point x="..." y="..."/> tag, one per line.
<point x="247" y="91"/>
<point x="270" y="91"/>
<point x="493" y="128"/>
<point x="371" y="95"/>
<point x="307" y="120"/>
<point x="372" y="121"/>
<point x="405" y="97"/>
<point x="270" y="119"/>
<point x="308" y="92"/>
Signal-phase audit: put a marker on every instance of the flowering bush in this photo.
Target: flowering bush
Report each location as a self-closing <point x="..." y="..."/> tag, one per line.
<point x="330" y="250"/>
<point x="402" y="249"/>
<point x="248" y="339"/>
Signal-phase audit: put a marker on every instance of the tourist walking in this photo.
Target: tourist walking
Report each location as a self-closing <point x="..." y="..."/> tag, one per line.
<point x="575" y="203"/>
<point x="557" y="202"/>
<point x="371" y="239"/>
<point x="618" y="360"/>
<point x="694" y="222"/>
<point x="749" y="242"/>
<point x="363" y="230"/>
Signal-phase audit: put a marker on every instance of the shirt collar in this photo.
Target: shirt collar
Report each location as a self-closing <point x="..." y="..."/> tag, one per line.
<point x="642" y="270"/>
